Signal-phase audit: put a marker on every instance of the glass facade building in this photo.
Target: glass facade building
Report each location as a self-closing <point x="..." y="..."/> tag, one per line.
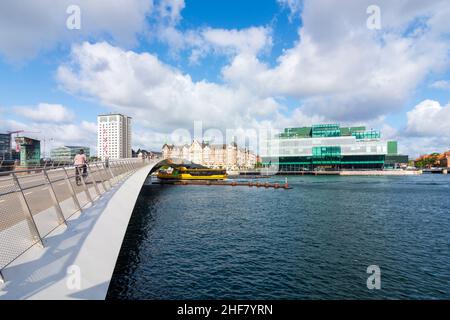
<point x="5" y="146"/>
<point x="67" y="153"/>
<point x="30" y="151"/>
<point x="329" y="146"/>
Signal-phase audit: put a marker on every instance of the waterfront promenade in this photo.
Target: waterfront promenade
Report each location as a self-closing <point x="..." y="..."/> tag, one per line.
<point x="334" y="173"/>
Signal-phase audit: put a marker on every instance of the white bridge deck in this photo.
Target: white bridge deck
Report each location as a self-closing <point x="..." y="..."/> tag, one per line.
<point x="77" y="261"/>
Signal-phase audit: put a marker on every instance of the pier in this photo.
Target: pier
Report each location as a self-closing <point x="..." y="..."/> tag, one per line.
<point x="250" y="184"/>
<point x="436" y="171"/>
<point x="343" y="173"/>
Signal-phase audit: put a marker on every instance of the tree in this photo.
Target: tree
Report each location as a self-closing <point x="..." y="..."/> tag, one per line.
<point x="427" y="161"/>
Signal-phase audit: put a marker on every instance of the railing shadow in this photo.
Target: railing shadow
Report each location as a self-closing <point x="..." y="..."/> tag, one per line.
<point x="61" y="250"/>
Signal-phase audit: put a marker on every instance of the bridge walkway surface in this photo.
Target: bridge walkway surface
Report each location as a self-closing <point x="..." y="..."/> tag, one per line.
<point x="75" y="259"/>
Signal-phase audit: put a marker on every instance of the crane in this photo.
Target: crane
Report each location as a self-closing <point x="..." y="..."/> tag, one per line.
<point x="17" y="134"/>
<point x="21" y="131"/>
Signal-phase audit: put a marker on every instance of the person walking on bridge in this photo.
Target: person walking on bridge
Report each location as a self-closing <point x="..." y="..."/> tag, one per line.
<point x="80" y="162"/>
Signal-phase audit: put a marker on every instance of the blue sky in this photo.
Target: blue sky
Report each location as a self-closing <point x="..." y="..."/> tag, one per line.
<point x="230" y="64"/>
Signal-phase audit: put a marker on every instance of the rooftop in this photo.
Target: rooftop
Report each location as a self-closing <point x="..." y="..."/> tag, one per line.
<point x="329" y="130"/>
<point x="114" y="114"/>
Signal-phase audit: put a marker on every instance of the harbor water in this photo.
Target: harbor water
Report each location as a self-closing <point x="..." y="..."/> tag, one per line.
<point x="314" y="241"/>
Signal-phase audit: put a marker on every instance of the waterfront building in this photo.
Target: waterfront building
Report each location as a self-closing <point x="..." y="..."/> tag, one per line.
<point x="30" y="151"/>
<point x="114" y="136"/>
<point x="218" y="156"/>
<point x="434" y="160"/>
<point x="5" y="146"/>
<point x="331" y="147"/>
<point x="67" y="153"/>
<point x="142" y="153"/>
<point x="444" y="160"/>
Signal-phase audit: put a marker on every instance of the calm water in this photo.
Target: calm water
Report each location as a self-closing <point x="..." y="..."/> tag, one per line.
<point x="312" y="242"/>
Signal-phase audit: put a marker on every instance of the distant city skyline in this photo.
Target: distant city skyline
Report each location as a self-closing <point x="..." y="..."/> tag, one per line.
<point x="230" y="64"/>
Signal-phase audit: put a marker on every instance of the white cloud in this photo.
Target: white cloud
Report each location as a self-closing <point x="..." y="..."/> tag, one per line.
<point x="246" y="41"/>
<point x="426" y="129"/>
<point x="441" y="84"/>
<point x="45" y="112"/>
<point x="29" y="26"/>
<point x="159" y="96"/>
<point x="337" y="70"/>
<point x="344" y="71"/>
<point x="429" y="118"/>
<point x="229" y="42"/>
<point x="170" y="10"/>
<point x="294" y="7"/>
<point x="204" y="41"/>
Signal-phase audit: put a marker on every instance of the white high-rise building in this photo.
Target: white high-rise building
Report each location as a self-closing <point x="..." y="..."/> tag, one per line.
<point x="114" y="136"/>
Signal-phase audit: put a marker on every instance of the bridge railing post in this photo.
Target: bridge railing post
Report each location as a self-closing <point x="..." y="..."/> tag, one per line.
<point x="115" y="172"/>
<point x="71" y="190"/>
<point x="104" y="172"/>
<point x="127" y="167"/>
<point x="101" y="175"/>
<point x="130" y="165"/>
<point x="93" y="179"/>
<point x="97" y="178"/>
<point x="32" y="227"/>
<point x="83" y="182"/>
<point x="123" y="168"/>
<point x="56" y="205"/>
<point x="113" y="179"/>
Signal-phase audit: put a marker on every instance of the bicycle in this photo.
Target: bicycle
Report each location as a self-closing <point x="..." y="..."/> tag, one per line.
<point x="79" y="175"/>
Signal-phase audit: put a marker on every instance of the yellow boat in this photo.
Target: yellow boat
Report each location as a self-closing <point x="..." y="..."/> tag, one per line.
<point x="198" y="173"/>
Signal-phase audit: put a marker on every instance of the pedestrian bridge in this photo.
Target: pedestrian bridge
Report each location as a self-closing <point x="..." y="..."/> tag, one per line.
<point x="60" y="239"/>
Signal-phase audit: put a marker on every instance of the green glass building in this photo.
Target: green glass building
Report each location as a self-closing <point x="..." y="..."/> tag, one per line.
<point x="330" y="146"/>
<point x="67" y="153"/>
<point x="5" y="146"/>
<point x="30" y="151"/>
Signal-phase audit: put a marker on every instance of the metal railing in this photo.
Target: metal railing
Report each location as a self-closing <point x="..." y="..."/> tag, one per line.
<point x="34" y="202"/>
<point x="9" y="164"/>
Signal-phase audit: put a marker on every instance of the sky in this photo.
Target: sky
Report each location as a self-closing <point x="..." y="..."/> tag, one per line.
<point x="231" y="64"/>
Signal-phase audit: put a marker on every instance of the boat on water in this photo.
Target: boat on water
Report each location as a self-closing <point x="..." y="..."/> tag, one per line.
<point x="191" y="173"/>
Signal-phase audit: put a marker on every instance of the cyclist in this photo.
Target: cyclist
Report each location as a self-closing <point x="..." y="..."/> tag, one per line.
<point x="80" y="163"/>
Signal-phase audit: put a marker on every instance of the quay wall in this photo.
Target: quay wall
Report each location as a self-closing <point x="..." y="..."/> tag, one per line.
<point x="381" y="173"/>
